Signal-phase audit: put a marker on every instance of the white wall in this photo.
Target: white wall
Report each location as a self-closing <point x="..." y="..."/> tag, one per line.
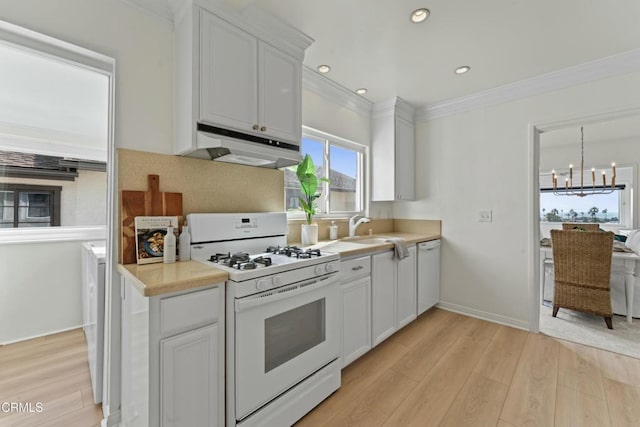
<point x="40" y="289"/>
<point x="142" y="46"/>
<point x="479" y="160"/>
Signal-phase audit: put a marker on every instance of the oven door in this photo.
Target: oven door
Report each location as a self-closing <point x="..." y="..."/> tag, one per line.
<point x="283" y="336"/>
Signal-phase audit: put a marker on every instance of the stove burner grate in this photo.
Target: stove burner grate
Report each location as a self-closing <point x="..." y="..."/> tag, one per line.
<point x="294" y="251"/>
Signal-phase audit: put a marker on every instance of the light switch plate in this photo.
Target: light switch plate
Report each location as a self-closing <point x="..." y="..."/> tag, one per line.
<point x="486" y="216"/>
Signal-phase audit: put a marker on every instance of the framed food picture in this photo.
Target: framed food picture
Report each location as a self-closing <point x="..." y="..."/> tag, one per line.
<point x="150" y="234"/>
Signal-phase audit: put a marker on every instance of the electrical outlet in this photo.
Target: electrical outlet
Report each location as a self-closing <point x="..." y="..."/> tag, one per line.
<point x="486" y="216"/>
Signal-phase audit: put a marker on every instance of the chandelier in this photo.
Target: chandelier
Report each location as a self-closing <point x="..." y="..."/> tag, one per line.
<point x="582" y="191"/>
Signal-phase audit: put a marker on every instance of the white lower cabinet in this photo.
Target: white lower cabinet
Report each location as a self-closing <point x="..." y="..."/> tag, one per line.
<point x="189" y="376"/>
<point x="356" y="314"/>
<point x="394" y="293"/>
<point x="383" y="297"/>
<point x="173" y="358"/>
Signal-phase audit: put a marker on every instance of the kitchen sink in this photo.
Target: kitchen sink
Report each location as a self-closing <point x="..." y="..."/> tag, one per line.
<point x="366" y="240"/>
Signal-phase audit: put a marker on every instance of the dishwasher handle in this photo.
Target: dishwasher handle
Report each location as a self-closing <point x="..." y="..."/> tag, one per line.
<point x="429" y="246"/>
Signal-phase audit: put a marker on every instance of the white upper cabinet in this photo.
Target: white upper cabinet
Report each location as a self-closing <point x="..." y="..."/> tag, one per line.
<point x="280" y="84"/>
<point x="228" y="74"/>
<point x="238" y="72"/>
<point x="393" y="151"/>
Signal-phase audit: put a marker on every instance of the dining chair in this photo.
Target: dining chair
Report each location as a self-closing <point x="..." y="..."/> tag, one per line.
<point x="585" y="226"/>
<point x="582" y="269"/>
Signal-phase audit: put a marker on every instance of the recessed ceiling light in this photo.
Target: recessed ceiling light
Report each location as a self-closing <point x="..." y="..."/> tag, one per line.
<point x="324" y="69"/>
<point x="420" y="15"/>
<point x="463" y="69"/>
<point x="361" y="91"/>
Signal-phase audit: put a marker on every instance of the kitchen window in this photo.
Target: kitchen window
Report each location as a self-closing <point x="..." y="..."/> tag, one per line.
<point x="339" y="160"/>
<point x="29" y="206"/>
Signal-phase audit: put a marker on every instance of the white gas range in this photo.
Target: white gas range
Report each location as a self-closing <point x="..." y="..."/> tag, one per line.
<point x="284" y="312"/>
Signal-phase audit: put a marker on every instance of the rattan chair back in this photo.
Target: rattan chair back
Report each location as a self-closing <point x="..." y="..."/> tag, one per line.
<point x="582" y="269"/>
<point x="580" y="225"/>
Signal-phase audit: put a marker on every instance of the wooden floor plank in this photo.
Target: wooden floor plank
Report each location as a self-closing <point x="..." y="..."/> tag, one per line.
<point x="435" y="393"/>
<point x="532" y="395"/>
<point x="575" y="408"/>
<point x="624" y="403"/>
<point x="53" y="371"/>
<point x="579" y="369"/>
<point x="619" y="367"/>
<point x="478" y="404"/>
<point x="501" y="357"/>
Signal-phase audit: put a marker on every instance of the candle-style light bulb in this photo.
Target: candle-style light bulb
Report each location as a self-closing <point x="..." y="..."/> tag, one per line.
<point x="570" y="171"/>
<point x="593" y="176"/>
<point x="613" y="170"/>
<point x="604" y="178"/>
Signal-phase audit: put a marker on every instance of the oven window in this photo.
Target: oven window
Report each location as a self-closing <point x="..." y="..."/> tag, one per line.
<point x="293" y="332"/>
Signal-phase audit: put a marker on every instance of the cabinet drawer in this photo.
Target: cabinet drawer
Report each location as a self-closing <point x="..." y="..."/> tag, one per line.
<point x="356" y="267"/>
<point x="184" y="312"/>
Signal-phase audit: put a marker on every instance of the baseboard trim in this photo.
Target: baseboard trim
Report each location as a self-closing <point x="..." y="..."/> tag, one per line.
<point x="42" y="335"/>
<point x="484" y="315"/>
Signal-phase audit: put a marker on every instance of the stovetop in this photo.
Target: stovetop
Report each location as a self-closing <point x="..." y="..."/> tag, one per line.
<point x="277" y="260"/>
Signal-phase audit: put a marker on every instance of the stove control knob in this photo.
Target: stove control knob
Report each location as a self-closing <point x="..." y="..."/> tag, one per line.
<point x="319" y="270"/>
<point x="277" y="281"/>
<point x="263" y="284"/>
<point x="331" y="267"/>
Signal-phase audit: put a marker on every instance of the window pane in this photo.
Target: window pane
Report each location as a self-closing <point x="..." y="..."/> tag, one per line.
<point x="598" y="208"/>
<point x="6" y="209"/>
<point x="343" y="194"/>
<point x="34" y="207"/>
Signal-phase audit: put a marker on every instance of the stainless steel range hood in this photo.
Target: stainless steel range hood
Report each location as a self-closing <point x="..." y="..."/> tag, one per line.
<point x="224" y="145"/>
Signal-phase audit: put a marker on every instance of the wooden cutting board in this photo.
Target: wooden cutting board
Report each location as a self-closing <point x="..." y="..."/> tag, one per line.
<point x="152" y="202"/>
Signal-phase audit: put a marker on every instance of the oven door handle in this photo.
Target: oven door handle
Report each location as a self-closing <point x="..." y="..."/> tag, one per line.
<point x="301" y="289"/>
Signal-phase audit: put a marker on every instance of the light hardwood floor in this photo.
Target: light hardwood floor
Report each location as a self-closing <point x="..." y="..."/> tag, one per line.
<point x="53" y="370"/>
<point x="451" y="370"/>
<point x="443" y="369"/>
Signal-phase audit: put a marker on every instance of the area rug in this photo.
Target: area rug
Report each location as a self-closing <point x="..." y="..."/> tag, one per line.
<point x="591" y="330"/>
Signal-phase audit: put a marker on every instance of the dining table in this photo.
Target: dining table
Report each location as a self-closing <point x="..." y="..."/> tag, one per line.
<point x="629" y="260"/>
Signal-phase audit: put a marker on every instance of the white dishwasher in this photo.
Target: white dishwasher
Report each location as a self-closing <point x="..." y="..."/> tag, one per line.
<point x="428" y="275"/>
<point x="93" y="271"/>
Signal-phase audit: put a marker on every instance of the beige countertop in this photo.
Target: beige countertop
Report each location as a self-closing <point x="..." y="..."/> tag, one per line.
<point x="362" y="245"/>
<point x="157" y="279"/>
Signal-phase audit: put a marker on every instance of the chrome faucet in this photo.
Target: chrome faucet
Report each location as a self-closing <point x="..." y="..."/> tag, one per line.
<point x="354" y="225"/>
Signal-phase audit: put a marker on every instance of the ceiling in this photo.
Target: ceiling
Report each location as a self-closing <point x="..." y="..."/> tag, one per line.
<point x="373" y="44"/>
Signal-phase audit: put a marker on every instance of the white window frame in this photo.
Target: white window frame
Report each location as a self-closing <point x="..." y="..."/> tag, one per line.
<point x="323" y="202"/>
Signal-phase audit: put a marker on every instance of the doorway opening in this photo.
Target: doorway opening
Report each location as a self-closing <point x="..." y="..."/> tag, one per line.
<point x="608" y="137"/>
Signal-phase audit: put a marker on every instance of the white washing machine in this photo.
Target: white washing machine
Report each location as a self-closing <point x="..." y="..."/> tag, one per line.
<point x="93" y="273"/>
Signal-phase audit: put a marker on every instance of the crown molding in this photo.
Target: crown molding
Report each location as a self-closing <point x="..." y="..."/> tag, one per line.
<point x="160" y="9"/>
<point x="332" y="91"/>
<point x="609" y="66"/>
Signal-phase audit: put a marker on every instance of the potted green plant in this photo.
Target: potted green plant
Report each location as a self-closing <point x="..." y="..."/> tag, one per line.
<point x="306" y="173"/>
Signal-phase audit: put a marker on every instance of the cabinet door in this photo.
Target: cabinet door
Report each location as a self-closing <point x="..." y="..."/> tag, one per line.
<point x="228" y="74"/>
<point x="407" y="288"/>
<point x="405" y="160"/>
<point x="189" y="379"/>
<point x="280" y="77"/>
<point x="356" y="307"/>
<point x="383" y="298"/>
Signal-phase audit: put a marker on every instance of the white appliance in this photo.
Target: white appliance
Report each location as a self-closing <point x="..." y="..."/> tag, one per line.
<point x="428" y="275"/>
<point x="284" y="314"/>
<point x="93" y="273"/>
